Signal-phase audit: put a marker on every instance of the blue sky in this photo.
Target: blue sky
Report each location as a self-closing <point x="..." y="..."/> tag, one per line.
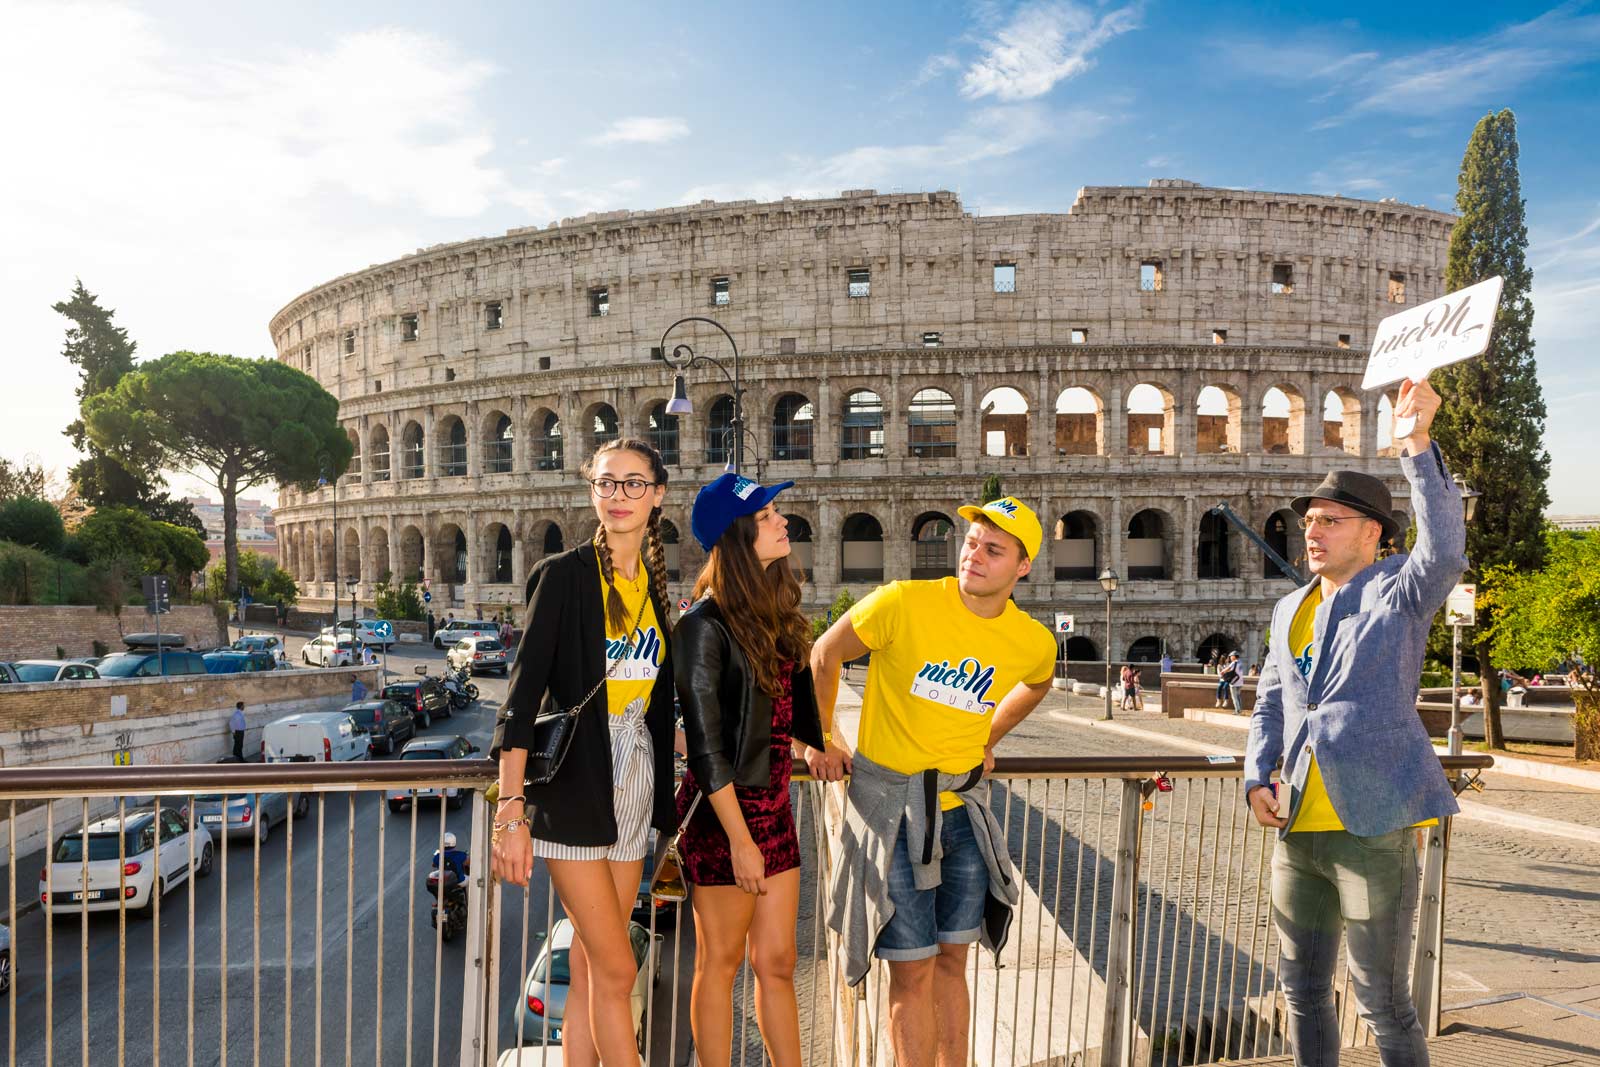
<point x="200" y="164"/>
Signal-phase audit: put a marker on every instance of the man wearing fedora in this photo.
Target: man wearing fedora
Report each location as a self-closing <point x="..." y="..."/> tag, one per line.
<point x="1337" y="702"/>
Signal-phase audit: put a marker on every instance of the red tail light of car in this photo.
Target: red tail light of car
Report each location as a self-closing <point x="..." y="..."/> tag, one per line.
<point x="535" y="1005"/>
<point x="327" y="750"/>
<point x="131" y="868"/>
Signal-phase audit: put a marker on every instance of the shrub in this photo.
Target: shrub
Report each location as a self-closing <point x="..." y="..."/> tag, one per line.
<point x="33" y="522"/>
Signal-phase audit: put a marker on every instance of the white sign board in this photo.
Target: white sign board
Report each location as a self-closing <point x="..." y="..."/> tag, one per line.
<point x="1460" y="608"/>
<point x="1440" y="332"/>
<point x="1064" y="623"/>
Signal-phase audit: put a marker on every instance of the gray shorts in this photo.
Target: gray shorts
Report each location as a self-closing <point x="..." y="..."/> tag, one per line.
<point x="632" y="795"/>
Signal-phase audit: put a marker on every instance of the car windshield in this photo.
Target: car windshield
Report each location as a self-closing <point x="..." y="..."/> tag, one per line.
<point x="216" y="798"/>
<point x="36" y="672"/>
<point x="490" y="646"/>
<point x="553" y="969"/>
<point x="422" y="753"/>
<point x="102" y="846"/>
<point x="121" y="666"/>
<point x="362" y="715"/>
<point x="400" y="692"/>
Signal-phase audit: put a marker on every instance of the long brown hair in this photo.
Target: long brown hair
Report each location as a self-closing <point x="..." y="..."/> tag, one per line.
<point x="761" y="605"/>
<point x="655" y="555"/>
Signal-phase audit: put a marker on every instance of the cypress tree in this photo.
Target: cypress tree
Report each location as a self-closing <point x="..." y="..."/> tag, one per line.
<point x="1490" y="426"/>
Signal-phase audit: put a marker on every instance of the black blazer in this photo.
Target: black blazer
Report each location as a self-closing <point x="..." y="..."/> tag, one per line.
<point x="561" y="657"/>
<point x="727" y="719"/>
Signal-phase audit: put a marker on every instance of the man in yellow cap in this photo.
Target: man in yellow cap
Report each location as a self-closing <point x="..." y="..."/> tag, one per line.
<point x="923" y="870"/>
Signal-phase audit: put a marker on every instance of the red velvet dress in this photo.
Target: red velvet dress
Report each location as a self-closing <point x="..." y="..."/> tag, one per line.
<point x="707" y="856"/>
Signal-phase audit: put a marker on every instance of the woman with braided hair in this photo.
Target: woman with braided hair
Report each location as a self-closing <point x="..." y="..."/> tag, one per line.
<point x="596" y="638"/>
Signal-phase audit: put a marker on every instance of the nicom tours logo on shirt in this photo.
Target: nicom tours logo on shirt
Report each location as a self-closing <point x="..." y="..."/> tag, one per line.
<point x="962" y="686"/>
<point x="641" y="663"/>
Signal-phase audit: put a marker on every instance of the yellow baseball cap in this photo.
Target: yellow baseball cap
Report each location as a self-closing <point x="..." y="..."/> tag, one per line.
<point x="1012" y="516"/>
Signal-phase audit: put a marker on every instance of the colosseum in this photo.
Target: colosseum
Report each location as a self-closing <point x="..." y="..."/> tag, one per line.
<point x="1124" y="367"/>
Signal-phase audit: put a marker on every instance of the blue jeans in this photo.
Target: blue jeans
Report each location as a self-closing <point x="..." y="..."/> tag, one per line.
<point x="1326" y="881"/>
<point x="949" y="914"/>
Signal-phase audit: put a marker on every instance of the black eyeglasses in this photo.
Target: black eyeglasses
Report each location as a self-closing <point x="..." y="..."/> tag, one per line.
<point x="633" y="488"/>
<point x="1326" y="522"/>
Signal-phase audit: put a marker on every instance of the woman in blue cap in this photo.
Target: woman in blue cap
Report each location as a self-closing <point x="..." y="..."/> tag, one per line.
<point x="741" y="658"/>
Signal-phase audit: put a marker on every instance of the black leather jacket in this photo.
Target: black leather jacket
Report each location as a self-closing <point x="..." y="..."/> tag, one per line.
<point x="727" y="719"/>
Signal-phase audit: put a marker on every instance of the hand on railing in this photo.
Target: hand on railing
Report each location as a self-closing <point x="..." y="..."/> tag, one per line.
<point x="1264" y="803"/>
<point x="828" y="764"/>
<point x="512" y="859"/>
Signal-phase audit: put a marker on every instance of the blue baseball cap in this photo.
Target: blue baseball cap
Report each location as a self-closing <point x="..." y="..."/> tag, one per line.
<point x="727" y="498"/>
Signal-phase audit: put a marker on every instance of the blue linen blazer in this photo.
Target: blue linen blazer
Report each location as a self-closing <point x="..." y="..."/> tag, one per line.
<point x="1357" y="713"/>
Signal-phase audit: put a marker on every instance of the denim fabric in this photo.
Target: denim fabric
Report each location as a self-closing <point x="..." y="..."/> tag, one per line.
<point x="1325" y="882"/>
<point x="952" y="912"/>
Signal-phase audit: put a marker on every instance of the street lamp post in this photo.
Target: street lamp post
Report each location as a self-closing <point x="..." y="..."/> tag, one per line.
<point x="1108" y="582"/>
<point x="1469" y="511"/>
<point x="350" y="584"/>
<point x="681" y="357"/>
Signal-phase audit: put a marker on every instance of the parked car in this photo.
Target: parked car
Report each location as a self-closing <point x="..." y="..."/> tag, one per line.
<point x="7" y="674"/>
<point x="228" y="661"/>
<point x="376" y="632"/>
<point x="326" y="650"/>
<point x="314" y="737"/>
<point x="478" y="654"/>
<point x="154" y="850"/>
<point x="387" y="722"/>
<point x="544" y="994"/>
<point x="270" y="643"/>
<point x="248" y="813"/>
<point x="425" y="748"/>
<point x="424" y="696"/>
<point x="52" y="670"/>
<point x="456" y="629"/>
<point x="151" y="664"/>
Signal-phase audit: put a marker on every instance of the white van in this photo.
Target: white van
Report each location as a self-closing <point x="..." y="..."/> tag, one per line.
<point x="314" y="737"/>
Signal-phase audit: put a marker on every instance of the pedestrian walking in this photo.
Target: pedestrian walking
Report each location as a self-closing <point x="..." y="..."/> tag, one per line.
<point x="602" y="657"/>
<point x="1130" y="687"/>
<point x="742" y="664"/>
<point x="283" y="614"/>
<point x="1336" y="702"/>
<point x="431" y="625"/>
<point x="236" y="723"/>
<point x="1233" y="675"/>
<point x="358" y="691"/>
<point x="923" y="870"/>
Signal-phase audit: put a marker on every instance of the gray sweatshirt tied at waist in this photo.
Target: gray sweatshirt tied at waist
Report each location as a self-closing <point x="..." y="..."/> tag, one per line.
<point x="879" y="801"/>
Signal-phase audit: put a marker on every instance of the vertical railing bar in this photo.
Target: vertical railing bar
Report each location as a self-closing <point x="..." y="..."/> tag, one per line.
<point x="190" y="880"/>
<point x="1194" y="925"/>
<point x="1265" y="841"/>
<point x="1022" y="910"/>
<point x="824" y="864"/>
<point x="1038" y="977"/>
<point x="411" y="934"/>
<point x="438" y="929"/>
<point x="994" y="1013"/>
<point x="1077" y="913"/>
<point x="648" y="1019"/>
<point x="49" y="939"/>
<point x="1242" y="812"/>
<point x="1145" y="961"/>
<point x="742" y="1009"/>
<point x="1094" y="906"/>
<point x="1146" y="920"/>
<point x="383" y="891"/>
<point x="522" y="967"/>
<point x="350" y="919"/>
<point x="1227" y="891"/>
<point x="317" y="1006"/>
<point x="83" y="935"/>
<point x="288" y="930"/>
<point x="255" y="934"/>
<point x="222" y="1015"/>
<point x="122" y="931"/>
<point x="1201" y="1014"/>
<point x="1165" y="1021"/>
<point x="11" y="896"/>
<point x="1055" y="915"/>
<point x="805" y="789"/>
<point x="1116" y="1032"/>
<point x="549" y="925"/>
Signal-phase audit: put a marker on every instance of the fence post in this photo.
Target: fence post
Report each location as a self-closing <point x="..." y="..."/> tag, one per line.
<point x="1116" y="1037"/>
<point x="478" y="985"/>
<point x="1428" y="969"/>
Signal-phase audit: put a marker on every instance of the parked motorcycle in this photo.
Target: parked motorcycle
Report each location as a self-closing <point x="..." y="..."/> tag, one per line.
<point x="464" y="676"/>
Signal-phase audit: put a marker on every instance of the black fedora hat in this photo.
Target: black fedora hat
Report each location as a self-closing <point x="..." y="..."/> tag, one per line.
<point x="1353" y="489"/>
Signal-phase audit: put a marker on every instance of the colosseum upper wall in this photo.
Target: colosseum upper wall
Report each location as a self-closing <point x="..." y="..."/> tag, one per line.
<point x="1125" y="365"/>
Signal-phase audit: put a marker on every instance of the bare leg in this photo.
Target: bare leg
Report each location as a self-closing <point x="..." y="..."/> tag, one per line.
<point x="911" y="1017"/>
<point x="601" y="961"/>
<point x="950" y="1004"/>
<point x="772" y="958"/>
<point x="722" y="915"/>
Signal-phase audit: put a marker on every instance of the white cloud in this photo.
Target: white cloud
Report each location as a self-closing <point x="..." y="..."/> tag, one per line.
<point x="642" y="130"/>
<point x="1042" y="44"/>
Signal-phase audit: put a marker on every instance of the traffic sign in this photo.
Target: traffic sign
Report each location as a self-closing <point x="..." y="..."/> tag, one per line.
<point x="1460" y="609"/>
<point x="427" y="597"/>
<point x="683" y="605"/>
<point x="157" y="595"/>
<point x="1064" y="623"/>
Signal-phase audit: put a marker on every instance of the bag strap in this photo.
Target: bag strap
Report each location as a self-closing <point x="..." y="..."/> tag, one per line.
<point x="626" y="651"/>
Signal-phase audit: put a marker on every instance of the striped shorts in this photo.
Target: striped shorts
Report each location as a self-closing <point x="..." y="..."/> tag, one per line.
<point x="632" y="795"/>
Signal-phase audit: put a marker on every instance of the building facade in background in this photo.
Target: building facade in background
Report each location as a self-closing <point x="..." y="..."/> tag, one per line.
<point x="1123" y="366"/>
<point x="257" y="531"/>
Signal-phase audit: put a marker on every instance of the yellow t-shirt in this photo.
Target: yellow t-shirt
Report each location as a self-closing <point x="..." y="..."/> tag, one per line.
<point x="937" y="673"/>
<point x="1317" y="812"/>
<point x="636" y="675"/>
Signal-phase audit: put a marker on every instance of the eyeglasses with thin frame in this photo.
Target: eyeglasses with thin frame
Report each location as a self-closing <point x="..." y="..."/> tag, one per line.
<point x="1328" y="522"/>
<point x="632" y="488"/>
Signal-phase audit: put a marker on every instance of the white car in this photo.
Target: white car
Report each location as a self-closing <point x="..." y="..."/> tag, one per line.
<point x="53" y="670"/>
<point x="478" y="654"/>
<point x="456" y="629"/>
<point x="314" y="737"/>
<point x="141" y="877"/>
<point x="327" y="650"/>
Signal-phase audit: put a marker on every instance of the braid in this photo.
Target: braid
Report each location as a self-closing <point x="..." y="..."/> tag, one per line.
<point x="656" y="563"/>
<point x="616" y="611"/>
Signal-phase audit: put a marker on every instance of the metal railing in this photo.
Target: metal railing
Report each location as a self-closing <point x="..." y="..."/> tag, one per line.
<point x="1144" y="934"/>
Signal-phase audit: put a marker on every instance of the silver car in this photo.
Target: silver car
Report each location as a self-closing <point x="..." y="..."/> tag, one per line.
<point x="53" y="670"/>
<point x="478" y="654"/>
<point x="248" y="813"/>
<point x="544" y="994"/>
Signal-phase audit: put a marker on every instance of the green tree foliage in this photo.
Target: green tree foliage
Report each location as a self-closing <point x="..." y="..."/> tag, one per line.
<point x="26" y="479"/>
<point x="1549" y="618"/>
<point x="153" y="547"/>
<point x="1491" y="424"/>
<point x="30" y="521"/>
<point x="841" y="605"/>
<point x="267" y="582"/>
<point x="243" y="421"/>
<point x="991" y="489"/>
<point x="29" y="576"/>
<point x="397" y="602"/>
